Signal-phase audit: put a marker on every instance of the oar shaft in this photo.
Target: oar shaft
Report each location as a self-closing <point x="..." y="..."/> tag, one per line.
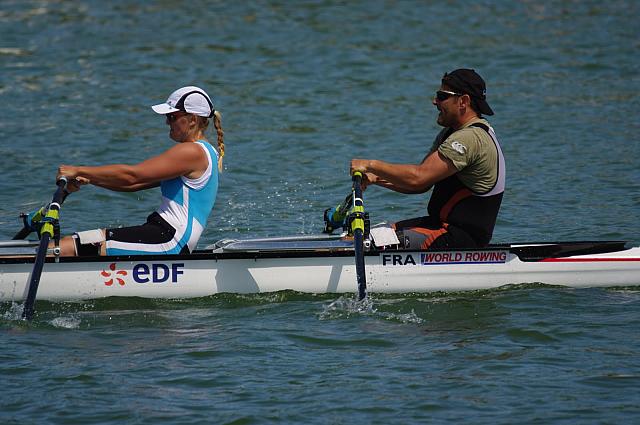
<point x="46" y="233"/>
<point x="360" y="270"/>
<point x="357" y="226"/>
<point x="23" y="233"/>
<point x="34" y="278"/>
<point x="29" y="220"/>
<point x="334" y="217"/>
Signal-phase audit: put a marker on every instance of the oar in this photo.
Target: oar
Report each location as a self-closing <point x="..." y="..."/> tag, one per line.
<point x="22" y="234"/>
<point x="334" y="217"/>
<point x="46" y="233"/>
<point x="357" y="226"/>
<point x="30" y="220"/>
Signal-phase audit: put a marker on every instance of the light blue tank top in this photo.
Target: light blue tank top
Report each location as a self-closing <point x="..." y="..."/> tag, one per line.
<point x="187" y="203"/>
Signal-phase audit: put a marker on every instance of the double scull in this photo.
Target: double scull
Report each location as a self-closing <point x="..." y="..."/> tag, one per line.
<point x="316" y="264"/>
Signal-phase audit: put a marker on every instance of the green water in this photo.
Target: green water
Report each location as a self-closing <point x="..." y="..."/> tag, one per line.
<point x="303" y="87"/>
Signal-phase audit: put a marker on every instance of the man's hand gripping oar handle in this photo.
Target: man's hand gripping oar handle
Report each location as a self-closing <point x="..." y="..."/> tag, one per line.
<point x="47" y="231"/>
<point x="357" y="220"/>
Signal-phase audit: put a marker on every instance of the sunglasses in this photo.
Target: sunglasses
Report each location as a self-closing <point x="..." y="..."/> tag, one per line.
<point x="174" y="116"/>
<point x="442" y="95"/>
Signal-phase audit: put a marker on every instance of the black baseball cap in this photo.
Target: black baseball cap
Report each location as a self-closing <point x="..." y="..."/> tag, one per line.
<point x="467" y="81"/>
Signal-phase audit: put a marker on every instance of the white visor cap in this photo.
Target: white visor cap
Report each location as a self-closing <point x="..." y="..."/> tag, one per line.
<point x="189" y="99"/>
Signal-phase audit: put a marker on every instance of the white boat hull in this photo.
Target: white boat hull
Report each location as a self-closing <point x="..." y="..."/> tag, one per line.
<point x="325" y="270"/>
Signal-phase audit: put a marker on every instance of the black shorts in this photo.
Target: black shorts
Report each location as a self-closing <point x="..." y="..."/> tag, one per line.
<point x="148" y="238"/>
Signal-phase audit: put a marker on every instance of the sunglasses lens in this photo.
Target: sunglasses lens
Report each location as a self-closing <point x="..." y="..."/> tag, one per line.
<point x="442" y="96"/>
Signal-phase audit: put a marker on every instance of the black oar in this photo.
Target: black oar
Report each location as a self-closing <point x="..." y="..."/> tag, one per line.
<point x="30" y="220"/>
<point x="334" y="217"/>
<point x="22" y="234"/>
<point x="47" y="231"/>
<point x="357" y="219"/>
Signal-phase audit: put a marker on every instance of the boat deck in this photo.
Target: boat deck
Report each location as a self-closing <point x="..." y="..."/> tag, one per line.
<point x="323" y="245"/>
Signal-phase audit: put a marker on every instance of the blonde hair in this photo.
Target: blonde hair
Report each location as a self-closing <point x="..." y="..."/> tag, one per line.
<point x="217" y="123"/>
<point x="202" y="123"/>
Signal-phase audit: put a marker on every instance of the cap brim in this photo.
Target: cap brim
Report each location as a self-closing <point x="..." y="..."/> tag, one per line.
<point x="484" y="107"/>
<point x="164" y="108"/>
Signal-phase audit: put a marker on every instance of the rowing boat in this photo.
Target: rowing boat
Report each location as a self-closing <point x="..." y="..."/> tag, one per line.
<point x="324" y="263"/>
<point x="316" y="264"/>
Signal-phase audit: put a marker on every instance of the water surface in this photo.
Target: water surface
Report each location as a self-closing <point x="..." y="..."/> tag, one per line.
<point x="303" y="88"/>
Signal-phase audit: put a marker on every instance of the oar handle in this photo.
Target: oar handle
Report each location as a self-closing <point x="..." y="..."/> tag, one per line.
<point x="52" y="216"/>
<point x="61" y="193"/>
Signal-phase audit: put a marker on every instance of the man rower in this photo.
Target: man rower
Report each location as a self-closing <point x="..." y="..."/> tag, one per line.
<point x="465" y="167"/>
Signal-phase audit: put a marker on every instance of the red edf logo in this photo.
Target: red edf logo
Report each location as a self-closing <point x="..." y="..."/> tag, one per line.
<point x="108" y="274"/>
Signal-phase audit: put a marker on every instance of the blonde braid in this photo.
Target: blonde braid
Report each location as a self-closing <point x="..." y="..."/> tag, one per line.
<point x="217" y="123"/>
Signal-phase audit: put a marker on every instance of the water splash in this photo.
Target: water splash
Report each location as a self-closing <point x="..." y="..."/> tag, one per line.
<point x="346" y="307"/>
<point x="70" y="322"/>
<point x="14" y="312"/>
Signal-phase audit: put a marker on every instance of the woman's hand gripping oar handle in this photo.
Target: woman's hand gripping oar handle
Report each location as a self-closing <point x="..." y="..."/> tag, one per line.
<point x="47" y="231"/>
<point x="357" y="220"/>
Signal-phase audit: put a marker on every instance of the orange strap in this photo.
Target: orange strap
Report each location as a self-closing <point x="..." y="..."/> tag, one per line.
<point x="430" y="234"/>
<point x="455" y="199"/>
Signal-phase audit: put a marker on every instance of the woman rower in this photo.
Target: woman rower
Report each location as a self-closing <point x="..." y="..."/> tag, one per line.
<point x="187" y="174"/>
